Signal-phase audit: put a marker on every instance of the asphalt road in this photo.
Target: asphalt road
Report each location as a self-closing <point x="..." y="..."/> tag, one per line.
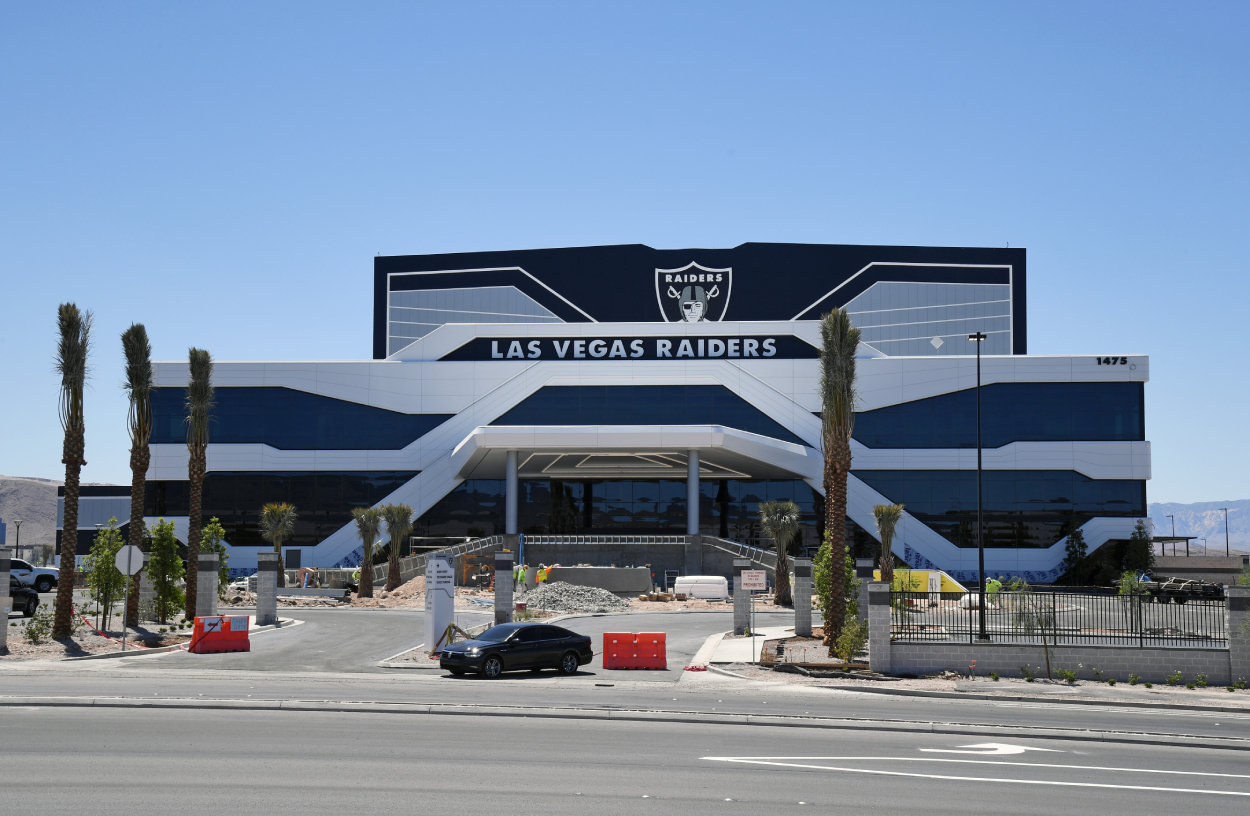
<point x="137" y="762"/>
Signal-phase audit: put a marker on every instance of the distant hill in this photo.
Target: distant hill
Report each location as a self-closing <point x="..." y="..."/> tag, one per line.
<point x="33" y="501"/>
<point x="1205" y="520"/>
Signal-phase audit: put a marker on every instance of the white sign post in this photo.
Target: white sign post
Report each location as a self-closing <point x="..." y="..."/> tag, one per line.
<point x="753" y="581"/>
<point x="129" y="560"/>
<point x="440" y="600"/>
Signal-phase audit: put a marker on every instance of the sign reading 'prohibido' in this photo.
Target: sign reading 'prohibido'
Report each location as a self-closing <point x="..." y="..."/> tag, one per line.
<point x="737" y="347"/>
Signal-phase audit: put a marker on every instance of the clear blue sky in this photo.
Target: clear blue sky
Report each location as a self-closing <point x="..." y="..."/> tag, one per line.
<point x="225" y="172"/>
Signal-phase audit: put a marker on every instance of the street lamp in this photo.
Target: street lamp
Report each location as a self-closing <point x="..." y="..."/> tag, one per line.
<point x="18" y="546"/>
<point x="1173" y="534"/>
<point x="1225" y="530"/>
<point x="977" y="338"/>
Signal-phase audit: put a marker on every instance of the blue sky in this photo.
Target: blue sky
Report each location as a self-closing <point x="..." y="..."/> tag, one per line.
<point x="225" y="172"/>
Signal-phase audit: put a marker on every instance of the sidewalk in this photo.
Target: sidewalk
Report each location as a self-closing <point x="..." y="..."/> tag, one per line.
<point x="747" y="650"/>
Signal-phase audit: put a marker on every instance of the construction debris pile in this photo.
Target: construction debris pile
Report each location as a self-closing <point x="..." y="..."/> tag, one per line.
<point x="562" y="597"/>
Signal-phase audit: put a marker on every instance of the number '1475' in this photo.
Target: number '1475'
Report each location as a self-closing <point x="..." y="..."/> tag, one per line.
<point x="1112" y="361"/>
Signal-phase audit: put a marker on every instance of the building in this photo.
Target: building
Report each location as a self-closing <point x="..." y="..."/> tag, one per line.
<point x="630" y="391"/>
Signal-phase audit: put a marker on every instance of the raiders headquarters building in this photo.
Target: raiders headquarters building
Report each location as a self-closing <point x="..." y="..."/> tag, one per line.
<point x="630" y="391"/>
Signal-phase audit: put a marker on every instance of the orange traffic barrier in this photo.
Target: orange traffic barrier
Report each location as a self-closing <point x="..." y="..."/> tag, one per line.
<point x="627" y="650"/>
<point x="220" y="633"/>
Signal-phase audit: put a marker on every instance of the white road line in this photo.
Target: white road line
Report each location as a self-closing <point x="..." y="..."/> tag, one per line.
<point x="995" y="762"/>
<point x="1051" y="782"/>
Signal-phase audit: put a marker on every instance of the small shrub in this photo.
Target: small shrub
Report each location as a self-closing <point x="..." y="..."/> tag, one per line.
<point x="1175" y="678"/>
<point x="162" y="629"/>
<point x="1189" y="685"/>
<point x="1134" y="679"/>
<point x="994" y="677"/>
<point x="1110" y="681"/>
<point x="851" y="641"/>
<point x="1231" y="689"/>
<point x="1066" y="674"/>
<point x="1240" y="684"/>
<point x="39" y="627"/>
<point x="1098" y="675"/>
<point x="1028" y="673"/>
<point x="1150" y="685"/>
<point x="1200" y="681"/>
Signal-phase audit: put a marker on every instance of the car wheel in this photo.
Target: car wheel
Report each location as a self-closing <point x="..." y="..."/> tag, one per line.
<point x="492" y="667"/>
<point x="44" y="585"/>
<point x="32" y="605"/>
<point x="569" y="663"/>
<point x="457" y="672"/>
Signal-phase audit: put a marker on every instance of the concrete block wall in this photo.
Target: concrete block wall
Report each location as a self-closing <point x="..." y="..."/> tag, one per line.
<point x="1239" y="631"/>
<point x="6" y="602"/>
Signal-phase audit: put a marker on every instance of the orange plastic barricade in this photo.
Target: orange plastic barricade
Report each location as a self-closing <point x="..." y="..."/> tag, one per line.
<point x="220" y="633"/>
<point x="627" y="650"/>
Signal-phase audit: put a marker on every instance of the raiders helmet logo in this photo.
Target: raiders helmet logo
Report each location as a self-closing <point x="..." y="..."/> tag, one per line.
<point x="693" y="294"/>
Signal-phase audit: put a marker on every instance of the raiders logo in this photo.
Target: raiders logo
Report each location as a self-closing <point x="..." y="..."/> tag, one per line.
<point x="693" y="294"/>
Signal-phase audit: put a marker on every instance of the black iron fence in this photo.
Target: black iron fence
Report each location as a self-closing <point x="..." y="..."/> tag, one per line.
<point x="1061" y="618"/>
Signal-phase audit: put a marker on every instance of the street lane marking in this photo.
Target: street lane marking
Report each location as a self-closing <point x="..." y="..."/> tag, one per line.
<point x="771" y="762"/>
<point x="991" y="749"/>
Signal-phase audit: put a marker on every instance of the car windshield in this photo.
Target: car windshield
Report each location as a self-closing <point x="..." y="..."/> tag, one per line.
<point x="497" y="634"/>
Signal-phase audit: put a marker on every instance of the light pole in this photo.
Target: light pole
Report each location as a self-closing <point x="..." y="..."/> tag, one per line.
<point x="1225" y="530"/>
<point x="1173" y="534"/>
<point x="18" y="546"/>
<point x="981" y="633"/>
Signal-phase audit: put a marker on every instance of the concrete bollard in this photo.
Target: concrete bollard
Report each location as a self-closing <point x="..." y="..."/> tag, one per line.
<point x="6" y="602"/>
<point x="206" y="584"/>
<point x="503" y="587"/>
<point x="879" y="626"/>
<point x="266" y="589"/>
<point x="802" y="592"/>
<point x="863" y="572"/>
<point x="742" y="598"/>
<point x="1238" y="605"/>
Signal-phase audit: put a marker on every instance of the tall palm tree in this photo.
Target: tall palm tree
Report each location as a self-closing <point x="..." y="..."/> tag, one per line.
<point x="138" y="388"/>
<point x="839" y="343"/>
<point x="780" y="521"/>
<point x="398" y="525"/>
<point x="277" y="522"/>
<point x="71" y="363"/>
<point x="199" y="414"/>
<point x="368" y="523"/>
<point x="887" y="519"/>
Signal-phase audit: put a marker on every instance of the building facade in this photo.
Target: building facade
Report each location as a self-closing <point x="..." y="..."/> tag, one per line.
<point x="630" y="391"/>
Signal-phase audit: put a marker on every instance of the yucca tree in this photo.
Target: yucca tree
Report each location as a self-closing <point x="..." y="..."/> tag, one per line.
<point x="71" y="363"/>
<point x="839" y="341"/>
<point x="277" y="522"/>
<point x="887" y="516"/>
<point x="138" y="387"/>
<point x="199" y="415"/>
<point x="398" y="525"/>
<point x="368" y="523"/>
<point x="780" y="521"/>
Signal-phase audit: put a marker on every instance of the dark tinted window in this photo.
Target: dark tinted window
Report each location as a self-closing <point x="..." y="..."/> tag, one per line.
<point x="497" y="634"/>
<point x="530" y="634"/>
<point x="551" y="633"/>
<point x="18" y="564"/>
<point x="287" y="419"/>
<point x="1023" y="508"/>
<point x="1010" y="412"/>
<point x="643" y="405"/>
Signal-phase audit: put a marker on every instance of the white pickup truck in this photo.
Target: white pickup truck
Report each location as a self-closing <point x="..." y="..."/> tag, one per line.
<point x="41" y="579"/>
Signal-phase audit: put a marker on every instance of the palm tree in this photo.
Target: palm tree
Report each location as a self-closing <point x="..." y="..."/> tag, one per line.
<point x="398" y="525"/>
<point x="199" y="407"/>
<point x="277" y="522"/>
<point x="138" y="387"/>
<point x="71" y="363"/>
<point x="368" y="522"/>
<point x="888" y="516"/>
<point x="780" y="521"/>
<point x="839" y="343"/>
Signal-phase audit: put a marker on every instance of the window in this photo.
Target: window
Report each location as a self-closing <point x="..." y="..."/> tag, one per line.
<point x="643" y="405"/>
<point x="287" y="419"/>
<point x="324" y="500"/>
<point x="1010" y="412"/>
<point x="926" y="319"/>
<point x="1023" y="508"/>
<point x="414" y="314"/>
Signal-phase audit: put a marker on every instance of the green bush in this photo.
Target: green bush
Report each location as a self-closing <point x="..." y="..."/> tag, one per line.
<point x="212" y="539"/>
<point x="1134" y="679"/>
<point x="39" y="627"/>
<point x="994" y="676"/>
<point x="1066" y="674"/>
<point x="1175" y="678"/>
<point x="1028" y="673"/>
<point x="1200" y="681"/>
<point x="1110" y="681"/>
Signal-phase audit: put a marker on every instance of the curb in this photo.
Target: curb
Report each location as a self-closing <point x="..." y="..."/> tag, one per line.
<point x="966" y="695"/>
<point x="638" y="715"/>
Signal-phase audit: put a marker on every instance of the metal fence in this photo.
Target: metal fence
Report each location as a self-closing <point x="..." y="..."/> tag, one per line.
<point x="1062" y="618"/>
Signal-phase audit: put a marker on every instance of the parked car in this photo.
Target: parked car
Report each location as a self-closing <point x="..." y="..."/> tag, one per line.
<point x="23" y="599"/>
<point x="41" y="578"/>
<point x="513" y="646"/>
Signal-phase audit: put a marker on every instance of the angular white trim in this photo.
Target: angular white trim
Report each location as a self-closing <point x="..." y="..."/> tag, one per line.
<point x="1097" y="460"/>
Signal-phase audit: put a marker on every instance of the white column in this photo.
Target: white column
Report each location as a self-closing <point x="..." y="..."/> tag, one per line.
<point x="692" y="493"/>
<point x="510" y="503"/>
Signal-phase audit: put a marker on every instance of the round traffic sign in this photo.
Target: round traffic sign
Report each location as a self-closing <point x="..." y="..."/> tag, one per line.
<point x="129" y="559"/>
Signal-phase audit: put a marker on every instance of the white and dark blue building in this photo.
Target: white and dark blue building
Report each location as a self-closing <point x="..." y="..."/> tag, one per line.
<point x="630" y="391"/>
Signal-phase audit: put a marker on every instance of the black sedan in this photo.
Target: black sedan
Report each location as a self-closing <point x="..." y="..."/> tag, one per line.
<point x="22" y="599"/>
<point x="512" y="646"/>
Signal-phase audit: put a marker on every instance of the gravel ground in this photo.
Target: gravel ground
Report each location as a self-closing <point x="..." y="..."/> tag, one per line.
<point x="559" y="596"/>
